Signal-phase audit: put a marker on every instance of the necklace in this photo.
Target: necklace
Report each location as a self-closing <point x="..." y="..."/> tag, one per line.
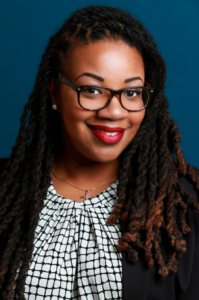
<point x="86" y="197"/>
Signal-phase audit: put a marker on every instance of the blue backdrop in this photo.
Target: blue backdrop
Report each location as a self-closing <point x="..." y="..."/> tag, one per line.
<point x="25" y="28"/>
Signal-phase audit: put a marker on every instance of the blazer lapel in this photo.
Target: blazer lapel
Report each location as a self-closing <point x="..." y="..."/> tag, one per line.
<point x="135" y="279"/>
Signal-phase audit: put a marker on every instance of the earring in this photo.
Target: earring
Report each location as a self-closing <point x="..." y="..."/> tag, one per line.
<point x="54" y="106"/>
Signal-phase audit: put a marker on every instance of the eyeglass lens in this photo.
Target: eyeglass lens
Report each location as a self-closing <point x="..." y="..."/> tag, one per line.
<point x="96" y="98"/>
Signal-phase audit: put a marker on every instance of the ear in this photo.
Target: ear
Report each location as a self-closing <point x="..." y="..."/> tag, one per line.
<point x="54" y="92"/>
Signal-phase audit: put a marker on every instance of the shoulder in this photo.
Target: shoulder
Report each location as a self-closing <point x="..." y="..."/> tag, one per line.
<point x="189" y="263"/>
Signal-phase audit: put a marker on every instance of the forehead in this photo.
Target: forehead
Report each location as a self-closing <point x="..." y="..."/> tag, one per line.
<point x="105" y="58"/>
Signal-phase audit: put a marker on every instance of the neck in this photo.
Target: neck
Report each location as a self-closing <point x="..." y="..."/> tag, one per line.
<point x="71" y="165"/>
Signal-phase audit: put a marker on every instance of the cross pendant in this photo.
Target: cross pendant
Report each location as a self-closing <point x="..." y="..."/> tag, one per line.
<point x="87" y="196"/>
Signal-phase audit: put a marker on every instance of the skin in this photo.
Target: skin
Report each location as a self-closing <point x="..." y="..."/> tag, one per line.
<point x="84" y="160"/>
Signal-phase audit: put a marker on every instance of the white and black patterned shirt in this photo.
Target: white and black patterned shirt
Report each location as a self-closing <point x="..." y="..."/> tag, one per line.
<point x="75" y="252"/>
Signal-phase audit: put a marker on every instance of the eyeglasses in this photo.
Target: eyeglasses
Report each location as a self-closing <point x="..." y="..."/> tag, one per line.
<point x="98" y="97"/>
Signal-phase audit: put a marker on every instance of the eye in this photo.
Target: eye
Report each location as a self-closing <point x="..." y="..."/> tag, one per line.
<point x="92" y="91"/>
<point x="132" y="93"/>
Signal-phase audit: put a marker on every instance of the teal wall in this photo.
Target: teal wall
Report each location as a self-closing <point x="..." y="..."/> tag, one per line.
<point x="25" y="27"/>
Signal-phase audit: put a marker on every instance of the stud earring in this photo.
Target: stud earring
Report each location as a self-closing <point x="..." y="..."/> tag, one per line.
<point x="54" y="106"/>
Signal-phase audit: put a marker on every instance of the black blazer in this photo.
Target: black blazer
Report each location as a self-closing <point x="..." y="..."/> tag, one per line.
<point x="141" y="283"/>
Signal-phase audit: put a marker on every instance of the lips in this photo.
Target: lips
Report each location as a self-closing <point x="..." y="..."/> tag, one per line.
<point x="109" y="135"/>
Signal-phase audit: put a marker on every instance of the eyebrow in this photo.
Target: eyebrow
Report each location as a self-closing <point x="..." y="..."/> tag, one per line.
<point x="102" y="79"/>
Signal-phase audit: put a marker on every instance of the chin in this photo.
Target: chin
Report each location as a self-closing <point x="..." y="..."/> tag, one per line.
<point x="105" y="158"/>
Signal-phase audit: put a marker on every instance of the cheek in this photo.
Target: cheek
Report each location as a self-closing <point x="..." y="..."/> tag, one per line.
<point x="71" y="112"/>
<point x="74" y="118"/>
<point x="72" y="121"/>
<point x="135" y="119"/>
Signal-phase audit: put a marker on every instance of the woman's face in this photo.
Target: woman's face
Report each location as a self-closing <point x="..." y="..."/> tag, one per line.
<point x="114" y="63"/>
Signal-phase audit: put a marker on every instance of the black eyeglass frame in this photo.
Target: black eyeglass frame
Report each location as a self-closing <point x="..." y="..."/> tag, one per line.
<point x="79" y="88"/>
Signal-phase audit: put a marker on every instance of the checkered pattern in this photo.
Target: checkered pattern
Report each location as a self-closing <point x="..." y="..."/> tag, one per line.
<point x="75" y="252"/>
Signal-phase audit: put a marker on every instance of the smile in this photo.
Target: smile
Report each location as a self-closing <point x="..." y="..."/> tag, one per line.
<point x="108" y="135"/>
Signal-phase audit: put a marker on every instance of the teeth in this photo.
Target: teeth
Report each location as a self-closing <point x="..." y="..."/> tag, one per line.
<point x="108" y="133"/>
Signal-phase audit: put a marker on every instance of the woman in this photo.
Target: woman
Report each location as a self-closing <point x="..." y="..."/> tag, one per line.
<point x="97" y="200"/>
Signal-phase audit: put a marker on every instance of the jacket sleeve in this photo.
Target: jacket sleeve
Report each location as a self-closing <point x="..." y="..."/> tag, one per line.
<point x="192" y="292"/>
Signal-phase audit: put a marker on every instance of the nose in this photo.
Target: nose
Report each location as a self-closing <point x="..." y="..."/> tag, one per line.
<point x="114" y="111"/>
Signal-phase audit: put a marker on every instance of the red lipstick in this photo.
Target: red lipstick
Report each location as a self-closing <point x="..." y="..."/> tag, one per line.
<point x="104" y="137"/>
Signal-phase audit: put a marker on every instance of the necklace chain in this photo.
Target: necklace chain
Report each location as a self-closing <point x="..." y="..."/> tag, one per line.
<point x="87" y="190"/>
